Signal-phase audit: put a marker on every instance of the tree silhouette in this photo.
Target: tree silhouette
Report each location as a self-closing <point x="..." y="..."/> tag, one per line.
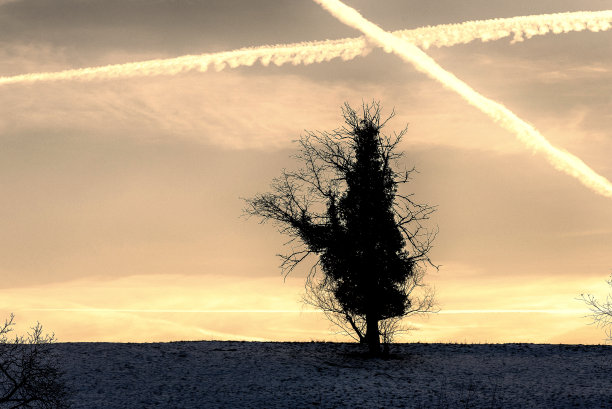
<point x="344" y="207"/>
<point x="29" y="377"/>
<point x="601" y="311"/>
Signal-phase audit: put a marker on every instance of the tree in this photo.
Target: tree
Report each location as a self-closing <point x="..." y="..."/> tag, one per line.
<point x="319" y="294"/>
<point x="601" y="310"/>
<point x="29" y="377"/>
<point x="344" y="207"/>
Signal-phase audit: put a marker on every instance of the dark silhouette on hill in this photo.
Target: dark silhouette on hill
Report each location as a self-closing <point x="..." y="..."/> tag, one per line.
<point x="344" y="207"/>
<point x="601" y="311"/>
<point x="29" y="375"/>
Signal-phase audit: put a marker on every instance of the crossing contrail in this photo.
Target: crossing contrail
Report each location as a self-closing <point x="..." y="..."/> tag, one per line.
<point x="561" y="160"/>
<point x="445" y="35"/>
<point x="520" y="28"/>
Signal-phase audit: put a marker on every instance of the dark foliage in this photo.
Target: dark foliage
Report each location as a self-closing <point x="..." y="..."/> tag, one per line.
<point x="344" y="206"/>
<point x="29" y="377"/>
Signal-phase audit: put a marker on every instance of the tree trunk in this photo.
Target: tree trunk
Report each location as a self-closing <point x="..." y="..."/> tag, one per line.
<point x="372" y="334"/>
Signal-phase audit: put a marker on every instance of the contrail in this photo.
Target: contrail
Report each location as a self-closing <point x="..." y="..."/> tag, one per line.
<point x="445" y="35"/>
<point x="179" y="311"/>
<point x="550" y="311"/>
<point x="298" y="53"/>
<point x="174" y="311"/>
<point x="561" y="160"/>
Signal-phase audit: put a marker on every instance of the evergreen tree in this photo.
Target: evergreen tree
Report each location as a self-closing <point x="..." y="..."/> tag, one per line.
<point x="344" y="207"/>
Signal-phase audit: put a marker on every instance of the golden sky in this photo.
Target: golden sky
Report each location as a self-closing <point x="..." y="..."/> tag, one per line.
<point x="121" y="200"/>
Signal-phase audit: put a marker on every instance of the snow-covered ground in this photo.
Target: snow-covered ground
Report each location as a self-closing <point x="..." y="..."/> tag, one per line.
<point x="215" y="374"/>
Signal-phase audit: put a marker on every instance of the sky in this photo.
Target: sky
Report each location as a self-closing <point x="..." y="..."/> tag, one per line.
<point x="121" y="198"/>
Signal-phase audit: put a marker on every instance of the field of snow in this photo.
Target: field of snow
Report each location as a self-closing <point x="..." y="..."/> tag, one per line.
<point x="215" y="374"/>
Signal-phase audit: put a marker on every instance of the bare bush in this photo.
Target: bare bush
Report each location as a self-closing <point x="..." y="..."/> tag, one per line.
<point x="29" y="377"/>
<point x="601" y="310"/>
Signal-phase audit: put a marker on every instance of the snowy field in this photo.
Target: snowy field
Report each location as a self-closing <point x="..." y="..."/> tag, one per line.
<point x="332" y="375"/>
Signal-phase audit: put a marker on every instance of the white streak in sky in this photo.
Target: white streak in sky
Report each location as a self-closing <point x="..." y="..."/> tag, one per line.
<point x="178" y="311"/>
<point x="446" y="35"/>
<point x="507" y="311"/>
<point x="174" y="311"/>
<point x="297" y="53"/>
<point x="561" y="160"/>
<point x="319" y="51"/>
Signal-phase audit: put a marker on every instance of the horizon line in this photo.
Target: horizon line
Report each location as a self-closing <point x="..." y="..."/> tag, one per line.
<point x="262" y="311"/>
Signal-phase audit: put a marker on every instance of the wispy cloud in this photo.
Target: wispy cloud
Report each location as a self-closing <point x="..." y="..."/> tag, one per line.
<point x="521" y="311"/>
<point x="164" y="307"/>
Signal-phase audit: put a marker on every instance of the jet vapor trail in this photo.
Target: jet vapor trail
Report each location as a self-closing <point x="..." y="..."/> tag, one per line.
<point x="561" y="160"/>
<point x="445" y="35"/>
<point x="297" y="53"/>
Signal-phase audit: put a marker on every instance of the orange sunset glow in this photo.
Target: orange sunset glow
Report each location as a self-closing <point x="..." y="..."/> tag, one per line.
<point x="123" y="185"/>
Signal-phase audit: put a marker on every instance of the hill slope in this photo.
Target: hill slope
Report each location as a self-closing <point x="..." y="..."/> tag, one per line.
<point x="215" y="374"/>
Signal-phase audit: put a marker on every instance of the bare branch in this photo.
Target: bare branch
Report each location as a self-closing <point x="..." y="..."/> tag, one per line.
<point x="29" y="377"/>
<point x="601" y="310"/>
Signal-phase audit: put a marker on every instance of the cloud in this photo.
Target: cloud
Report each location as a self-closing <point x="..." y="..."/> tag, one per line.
<point x="147" y="308"/>
<point x="235" y="110"/>
<point x="142" y="306"/>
